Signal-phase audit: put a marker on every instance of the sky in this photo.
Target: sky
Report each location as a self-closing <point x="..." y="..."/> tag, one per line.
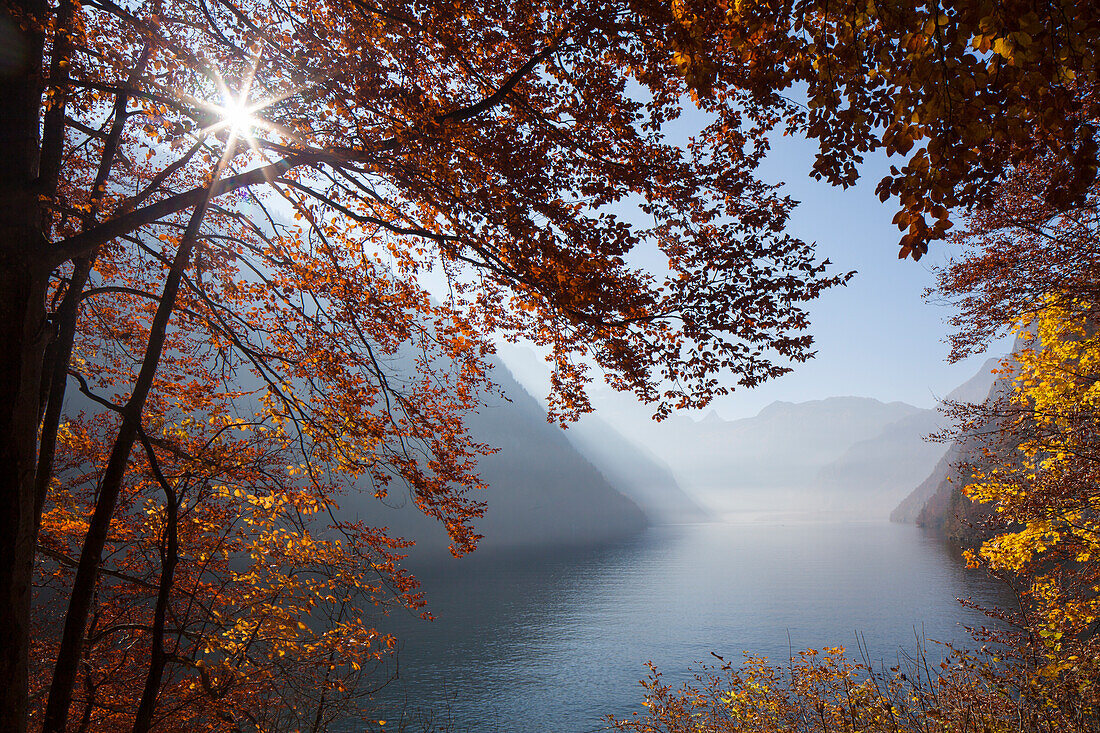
<point x="877" y="337"/>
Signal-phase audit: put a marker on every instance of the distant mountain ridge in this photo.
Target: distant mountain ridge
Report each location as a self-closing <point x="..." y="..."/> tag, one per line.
<point x="772" y="462"/>
<point x="850" y="456"/>
<point x="875" y="473"/>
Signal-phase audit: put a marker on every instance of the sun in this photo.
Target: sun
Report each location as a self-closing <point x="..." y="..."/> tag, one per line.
<point x="235" y="112"/>
<point x="237" y="116"/>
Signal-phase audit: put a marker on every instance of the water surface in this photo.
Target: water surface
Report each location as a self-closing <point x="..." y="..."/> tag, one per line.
<point x="555" y="641"/>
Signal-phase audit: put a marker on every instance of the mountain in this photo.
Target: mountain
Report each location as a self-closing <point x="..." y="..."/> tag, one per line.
<point x="911" y="506"/>
<point x="878" y="473"/>
<point x="772" y="462"/>
<point x="766" y="463"/>
<point x="635" y="472"/>
<point x="975" y="390"/>
<point x="946" y="510"/>
<point x="875" y="474"/>
<point x="633" y="469"/>
<point x="853" y="456"/>
<point x="937" y="502"/>
<point x="541" y="490"/>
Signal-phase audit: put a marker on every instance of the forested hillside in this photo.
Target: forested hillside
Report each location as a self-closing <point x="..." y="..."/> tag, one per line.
<point x="937" y="502"/>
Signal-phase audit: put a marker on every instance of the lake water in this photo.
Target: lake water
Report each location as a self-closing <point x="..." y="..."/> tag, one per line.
<point x="556" y="641"/>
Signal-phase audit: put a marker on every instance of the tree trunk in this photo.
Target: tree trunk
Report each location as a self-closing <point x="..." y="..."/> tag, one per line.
<point x="76" y="618"/>
<point x="23" y="336"/>
<point x="169" y="557"/>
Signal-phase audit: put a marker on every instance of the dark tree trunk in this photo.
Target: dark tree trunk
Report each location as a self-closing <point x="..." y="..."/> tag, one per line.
<point x="23" y="337"/>
<point x="169" y="557"/>
<point x="87" y="572"/>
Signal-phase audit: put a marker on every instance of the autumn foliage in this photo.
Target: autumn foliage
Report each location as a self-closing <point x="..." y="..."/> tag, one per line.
<point x="219" y="225"/>
<point x="1042" y="491"/>
<point x="964" y="91"/>
<point x="827" y="690"/>
<point x="219" y="221"/>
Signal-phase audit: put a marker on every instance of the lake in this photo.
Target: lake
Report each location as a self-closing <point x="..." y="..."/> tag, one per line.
<point x="555" y="641"/>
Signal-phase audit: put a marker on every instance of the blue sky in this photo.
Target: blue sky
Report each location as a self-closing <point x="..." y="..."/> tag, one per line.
<point x="877" y="337"/>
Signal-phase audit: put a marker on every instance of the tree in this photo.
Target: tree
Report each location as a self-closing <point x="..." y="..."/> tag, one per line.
<point x="1032" y="268"/>
<point x="965" y="90"/>
<point x="1044" y="493"/>
<point x="1019" y="256"/>
<point x="215" y="221"/>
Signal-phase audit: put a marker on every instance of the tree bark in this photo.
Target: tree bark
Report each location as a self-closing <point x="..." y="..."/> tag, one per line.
<point x="23" y="336"/>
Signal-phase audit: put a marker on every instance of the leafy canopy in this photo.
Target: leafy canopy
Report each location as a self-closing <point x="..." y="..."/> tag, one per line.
<point x="963" y="90"/>
<point x="233" y="211"/>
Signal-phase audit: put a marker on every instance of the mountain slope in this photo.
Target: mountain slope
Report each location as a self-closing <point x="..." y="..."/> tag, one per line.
<point x="874" y="474"/>
<point x="879" y="473"/>
<point x="541" y="490"/>
<point x="937" y="502"/>
<point x="631" y="468"/>
<point x="635" y="472"/>
<point x="848" y="455"/>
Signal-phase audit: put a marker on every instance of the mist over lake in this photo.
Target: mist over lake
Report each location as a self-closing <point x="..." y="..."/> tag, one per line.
<point x="554" y="640"/>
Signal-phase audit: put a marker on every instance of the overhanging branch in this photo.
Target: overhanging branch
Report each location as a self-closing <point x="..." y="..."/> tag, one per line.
<point x="84" y="243"/>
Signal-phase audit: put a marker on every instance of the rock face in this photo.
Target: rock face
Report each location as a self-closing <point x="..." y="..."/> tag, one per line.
<point x="937" y="503"/>
<point x="911" y="506"/>
<point x="541" y="490"/>
<point x="947" y="510"/>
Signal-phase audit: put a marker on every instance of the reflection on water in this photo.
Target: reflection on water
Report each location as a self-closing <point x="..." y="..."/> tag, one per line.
<point x="556" y="641"/>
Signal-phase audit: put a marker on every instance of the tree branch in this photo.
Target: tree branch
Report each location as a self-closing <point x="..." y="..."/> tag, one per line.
<point x="84" y="243"/>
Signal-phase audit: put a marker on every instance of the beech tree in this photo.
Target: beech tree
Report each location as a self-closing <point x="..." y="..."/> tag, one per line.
<point x="216" y="219"/>
<point x="1019" y="256"/>
<point x="1029" y="267"/>
<point x="964" y="91"/>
